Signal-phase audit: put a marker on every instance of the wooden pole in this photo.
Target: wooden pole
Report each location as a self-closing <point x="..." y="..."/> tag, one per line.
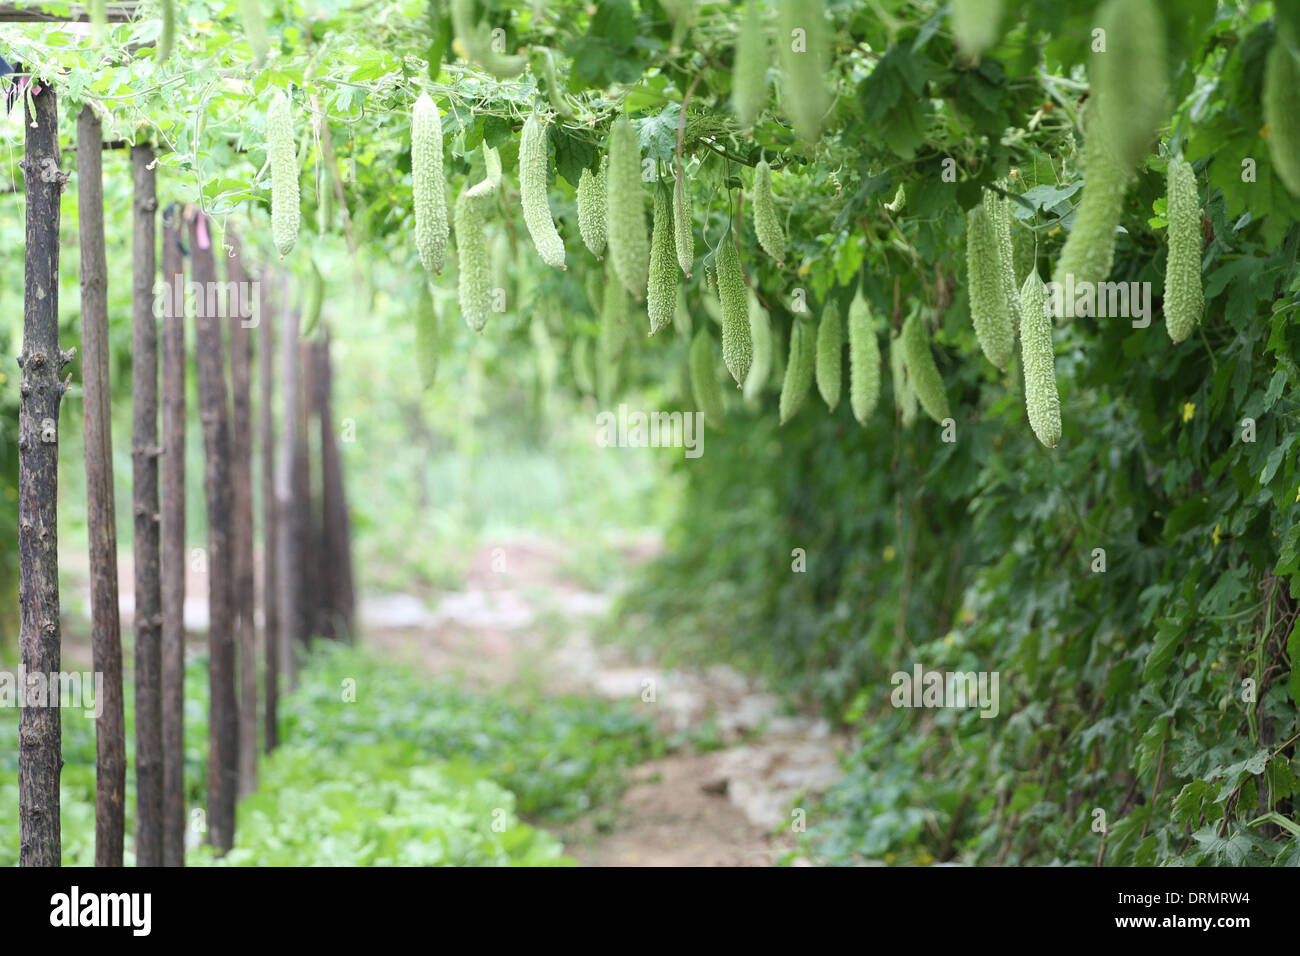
<point x="335" y="527"/>
<point x="287" y="535"/>
<point x="241" y="313"/>
<point x="148" y="587"/>
<point x="270" y="587"/>
<point x="173" y="541"/>
<point x="223" y="734"/>
<point x="41" y="392"/>
<point x="106" y="633"/>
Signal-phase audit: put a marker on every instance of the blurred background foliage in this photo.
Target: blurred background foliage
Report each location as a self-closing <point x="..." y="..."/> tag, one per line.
<point x="1159" y="691"/>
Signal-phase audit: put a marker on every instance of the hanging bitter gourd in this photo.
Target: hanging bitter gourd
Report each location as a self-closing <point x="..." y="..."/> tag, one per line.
<point x="704" y="380"/>
<point x="864" y="360"/>
<point x="975" y="25"/>
<point x="749" y="70"/>
<point x="1089" y="250"/>
<point x="167" y="34"/>
<point x="803" y="43"/>
<point x="661" y="291"/>
<point x="428" y="189"/>
<point x="1184" y="297"/>
<point x="591" y="210"/>
<point x="760" y="335"/>
<point x="921" y="370"/>
<point x="904" y="394"/>
<point x="629" y="246"/>
<point x="766" y="224"/>
<point x="426" y="335"/>
<point x="1129" y="79"/>
<point x="798" y="371"/>
<point x="284" y="173"/>
<point x="830" y="359"/>
<point x="683" y="237"/>
<point x="474" y="261"/>
<point x="1281" y="81"/>
<point x="255" y="30"/>
<point x="737" y="350"/>
<point x="988" y="300"/>
<point x="1039" y="361"/>
<point x="532" y="194"/>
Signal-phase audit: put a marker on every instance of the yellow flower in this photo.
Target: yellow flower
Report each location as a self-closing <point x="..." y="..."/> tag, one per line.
<point x="803" y="269"/>
<point x="949" y="639"/>
<point x="1297" y="491"/>
<point x="1189" y="410"/>
<point x="924" y="858"/>
<point x="888" y="553"/>
<point x="1216" y="536"/>
<point x="459" y="49"/>
<point x="889" y="858"/>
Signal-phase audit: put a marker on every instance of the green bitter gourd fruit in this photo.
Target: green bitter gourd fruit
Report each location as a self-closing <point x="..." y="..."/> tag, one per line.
<point x="766" y="224"/>
<point x="1184" y="297"/>
<point x="864" y="360"/>
<point x="830" y="360"/>
<point x="532" y="194"/>
<point x="661" y="291"/>
<point x="704" y="380"/>
<point x="428" y="189"/>
<point x="629" y="246"/>
<point x="921" y="370"/>
<point x="749" y="70"/>
<point x="284" y="174"/>
<point x="591" y="210"/>
<point x="798" y="371"/>
<point x="1039" y="362"/>
<point x="737" y="350"/>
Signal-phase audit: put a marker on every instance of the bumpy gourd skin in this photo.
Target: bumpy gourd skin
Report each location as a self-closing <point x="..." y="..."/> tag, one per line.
<point x="760" y="334"/>
<point x="426" y="336"/>
<point x="988" y="301"/>
<point x="737" y="349"/>
<point x="629" y="246"/>
<point x="766" y="224"/>
<point x="1089" y="251"/>
<point x="284" y="174"/>
<point x="532" y="194"/>
<point x="1000" y="207"/>
<point x="1039" y="362"/>
<point x="704" y="383"/>
<point x="474" y="260"/>
<point x="1130" y="79"/>
<point x="798" y="371"/>
<point x="1281" y="82"/>
<point x="904" y="394"/>
<point x="255" y="30"/>
<point x="864" y="361"/>
<point x="428" y="190"/>
<point x="683" y="238"/>
<point x="975" y="25"/>
<point x="830" y="347"/>
<point x="749" y="72"/>
<point x="804" y="58"/>
<point x="591" y="210"/>
<point x="921" y="370"/>
<point x="1184" y="297"/>
<point x="661" y="291"/>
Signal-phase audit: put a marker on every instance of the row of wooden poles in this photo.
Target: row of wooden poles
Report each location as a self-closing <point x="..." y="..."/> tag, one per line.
<point x="305" y="572"/>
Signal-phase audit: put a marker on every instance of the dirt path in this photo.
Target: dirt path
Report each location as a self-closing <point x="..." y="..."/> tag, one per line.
<point x="521" y="619"/>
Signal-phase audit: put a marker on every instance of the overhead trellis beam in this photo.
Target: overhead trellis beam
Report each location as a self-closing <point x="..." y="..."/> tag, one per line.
<point x="60" y="13"/>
